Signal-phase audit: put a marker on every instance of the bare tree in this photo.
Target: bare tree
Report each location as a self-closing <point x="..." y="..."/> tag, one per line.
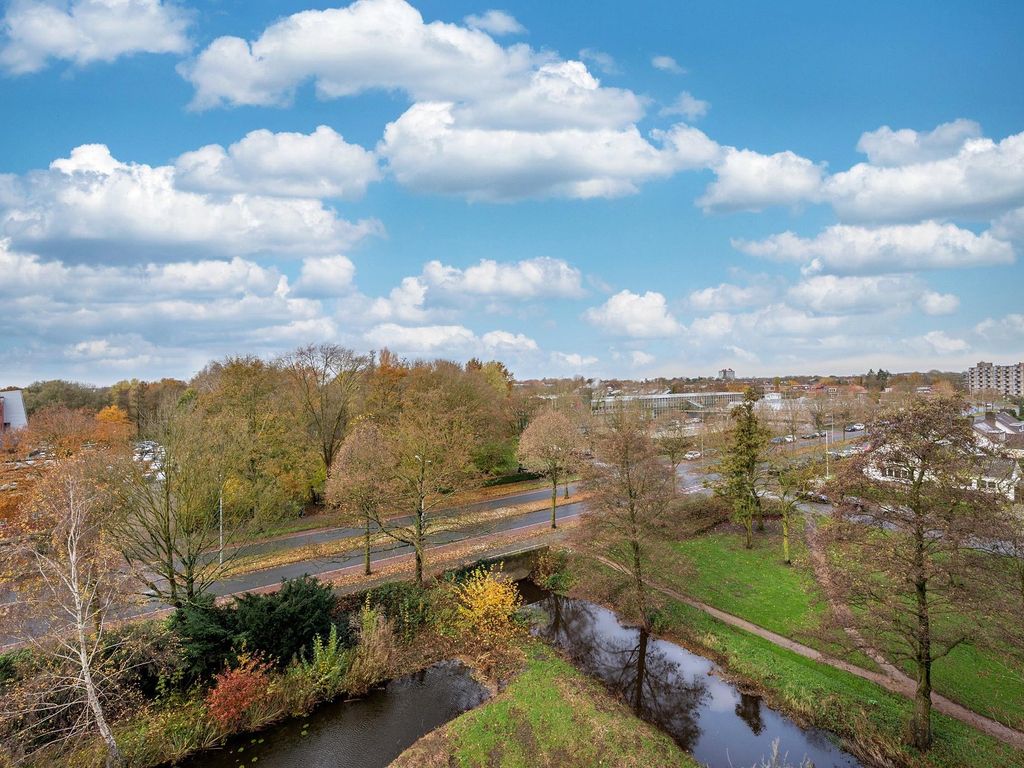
<point x="175" y="528"/>
<point x="631" y="491"/>
<point x="550" y="446"/>
<point x="72" y="582"/>
<point x="674" y="440"/>
<point x="326" y="381"/>
<point x="361" y="479"/>
<point x="911" y="546"/>
<point x="786" y="482"/>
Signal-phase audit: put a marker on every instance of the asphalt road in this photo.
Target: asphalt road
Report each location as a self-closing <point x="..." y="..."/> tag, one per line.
<point x="327" y="535"/>
<point x="248" y="581"/>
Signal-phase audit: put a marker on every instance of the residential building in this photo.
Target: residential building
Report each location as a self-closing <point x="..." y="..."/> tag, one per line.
<point x="1001" y="431"/>
<point x="998" y="475"/>
<point x="12" y="410"/>
<point x="727" y="374"/>
<point x="1008" y="380"/>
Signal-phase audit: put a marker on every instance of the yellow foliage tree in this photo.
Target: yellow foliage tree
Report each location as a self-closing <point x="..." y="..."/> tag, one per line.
<point x="487" y="604"/>
<point x="113" y="425"/>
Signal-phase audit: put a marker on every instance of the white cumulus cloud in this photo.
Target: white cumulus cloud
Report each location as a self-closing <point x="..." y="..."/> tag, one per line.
<point x="86" y="31"/>
<point x="324" y="276"/>
<point x="528" y="278"/>
<point x="428" y="151"/>
<point x="845" y="248"/>
<point x="320" y="164"/>
<point x="133" y="210"/>
<point x="748" y="180"/>
<point x="370" y="44"/>
<point x="982" y="179"/>
<point x="635" y="315"/>
<point x="885" y="146"/>
<point x="944" y="344"/>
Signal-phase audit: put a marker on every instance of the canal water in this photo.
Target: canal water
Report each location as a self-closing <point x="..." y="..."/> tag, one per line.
<point x="364" y="733"/>
<point x="681" y="693"/>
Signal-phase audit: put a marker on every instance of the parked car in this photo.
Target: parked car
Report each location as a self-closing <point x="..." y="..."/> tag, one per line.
<point x="858" y="427"/>
<point x="691" y="455"/>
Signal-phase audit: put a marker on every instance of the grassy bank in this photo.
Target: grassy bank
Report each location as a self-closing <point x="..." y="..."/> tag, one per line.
<point x="550" y="715"/>
<point x="868" y="717"/>
<point x="755" y="585"/>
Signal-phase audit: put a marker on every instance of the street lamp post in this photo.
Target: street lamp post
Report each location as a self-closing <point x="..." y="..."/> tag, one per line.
<point x="220" y="525"/>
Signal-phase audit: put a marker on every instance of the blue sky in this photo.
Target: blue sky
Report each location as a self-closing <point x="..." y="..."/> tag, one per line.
<point x="571" y="187"/>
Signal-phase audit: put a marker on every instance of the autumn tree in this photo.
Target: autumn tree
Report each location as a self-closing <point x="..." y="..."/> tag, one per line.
<point x="325" y="382"/>
<point x="274" y="466"/>
<point x="361" y="480"/>
<point x="385" y="386"/>
<point x="70" y="583"/>
<point x="742" y="466"/>
<point x="430" y="449"/>
<point x="550" y="446"/>
<point x="631" y="491"/>
<point x="903" y="545"/>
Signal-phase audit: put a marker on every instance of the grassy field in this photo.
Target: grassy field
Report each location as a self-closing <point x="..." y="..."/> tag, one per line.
<point x="867" y="715"/>
<point x="550" y="715"/>
<point x="755" y="585"/>
<point x="752" y="583"/>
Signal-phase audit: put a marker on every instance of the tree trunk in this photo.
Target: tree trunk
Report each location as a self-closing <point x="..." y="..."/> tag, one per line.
<point x="638" y="582"/>
<point x="366" y="549"/>
<point x="921" y="723"/>
<point x="748" y="526"/>
<point x="554" y="501"/>
<point x="566" y="494"/>
<point x="785" y="539"/>
<point x="114" y="758"/>
<point x="759" y="512"/>
<point x="418" y="545"/>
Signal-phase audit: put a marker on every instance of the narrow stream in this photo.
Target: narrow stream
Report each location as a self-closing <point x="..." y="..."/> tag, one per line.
<point x="364" y="733"/>
<point x="679" y="692"/>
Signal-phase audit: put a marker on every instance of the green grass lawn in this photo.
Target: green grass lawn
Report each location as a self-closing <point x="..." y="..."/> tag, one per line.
<point x="550" y="715"/>
<point x="752" y="583"/>
<point x="755" y="585"/>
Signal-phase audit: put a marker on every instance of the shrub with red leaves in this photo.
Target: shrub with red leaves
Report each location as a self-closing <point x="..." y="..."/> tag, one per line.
<point x="235" y="693"/>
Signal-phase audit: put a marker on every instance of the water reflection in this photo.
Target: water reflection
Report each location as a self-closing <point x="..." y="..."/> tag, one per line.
<point x="679" y="692"/>
<point x="748" y="709"/>
<point x="365" y="733"/>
